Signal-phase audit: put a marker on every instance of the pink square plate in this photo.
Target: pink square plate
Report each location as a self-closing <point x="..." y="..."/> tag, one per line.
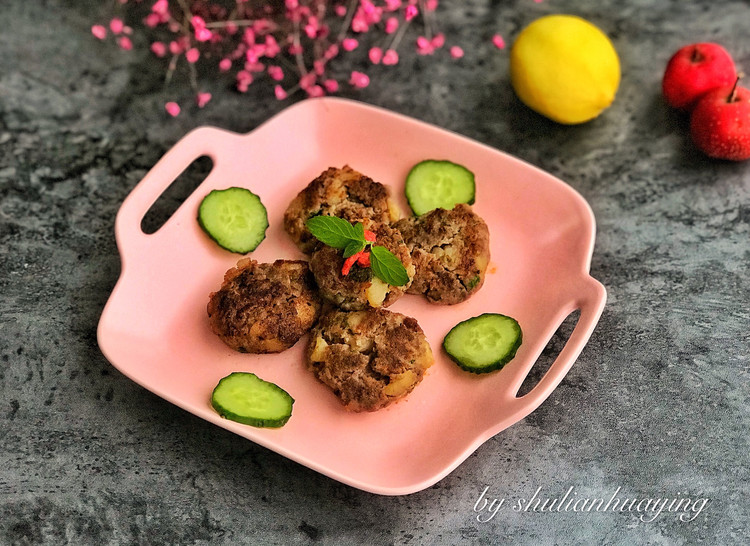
<point x="154" y="327"/>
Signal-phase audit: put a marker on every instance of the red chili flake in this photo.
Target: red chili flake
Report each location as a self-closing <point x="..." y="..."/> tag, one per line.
<point x="364" y="259"/>
<point x="348" y="263"/>
<point x="369" y="236"/>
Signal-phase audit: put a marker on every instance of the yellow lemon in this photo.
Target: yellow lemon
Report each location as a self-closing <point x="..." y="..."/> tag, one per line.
<point x="565" y="68"/>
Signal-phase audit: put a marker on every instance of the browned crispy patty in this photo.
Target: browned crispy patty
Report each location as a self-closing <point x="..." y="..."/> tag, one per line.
<point x="360" y="289"/>
<point x="264" y="307"/>
<point x="343" y="192"/>
<point x="450" y="250"/>
<point x="368" y="358"/>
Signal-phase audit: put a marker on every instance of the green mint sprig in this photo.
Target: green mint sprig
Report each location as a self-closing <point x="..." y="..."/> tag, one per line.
<point x="387" y="267"/>
<point x="338" y="233"/>
<point x="333" y="231"/>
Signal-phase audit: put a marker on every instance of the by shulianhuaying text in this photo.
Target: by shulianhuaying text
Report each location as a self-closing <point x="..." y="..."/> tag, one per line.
<point x="647" y="508"/>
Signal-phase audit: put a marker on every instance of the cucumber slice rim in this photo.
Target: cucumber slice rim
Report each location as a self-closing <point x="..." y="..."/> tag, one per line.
<point x="412" y="185"/>
<point x="253" y="235"/>
<point x="264" y="418"/>
<point x="503" y="357"/>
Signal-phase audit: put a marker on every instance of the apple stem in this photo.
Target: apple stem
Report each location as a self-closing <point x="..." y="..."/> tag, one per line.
<point x="696" y="56"/>
<point x="733" y="93"/>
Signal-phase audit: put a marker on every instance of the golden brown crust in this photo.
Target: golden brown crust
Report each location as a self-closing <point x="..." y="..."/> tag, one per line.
<point x="264" y="307"/>
<point x="358" y="289"/>
<point x="343" y="192"/>
<point x="450" y="250"/>
<point x="368" y="358"/>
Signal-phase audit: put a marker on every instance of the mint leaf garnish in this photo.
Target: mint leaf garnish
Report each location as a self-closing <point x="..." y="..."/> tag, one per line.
<point x="338" y="233"/>
<point x="353" y="247"/>
<point x="333" y="231"/>
<point x="387" y="267"/>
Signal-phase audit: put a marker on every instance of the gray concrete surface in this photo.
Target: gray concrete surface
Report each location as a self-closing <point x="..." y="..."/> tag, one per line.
<point x="657" y="404"/>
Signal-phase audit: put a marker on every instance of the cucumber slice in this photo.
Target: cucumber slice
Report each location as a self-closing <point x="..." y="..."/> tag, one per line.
<point x="234" y="218"/>
<point x="433" y="184"/>
<point x="246" y="398"/>
<point x="485" y="343"/>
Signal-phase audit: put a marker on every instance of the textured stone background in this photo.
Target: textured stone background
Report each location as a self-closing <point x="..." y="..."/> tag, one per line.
<point x="657" y="403"/>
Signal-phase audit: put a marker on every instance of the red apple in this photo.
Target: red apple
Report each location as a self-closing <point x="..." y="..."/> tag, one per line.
<point x="720" y="123"/>
<point x="694" y="70"/>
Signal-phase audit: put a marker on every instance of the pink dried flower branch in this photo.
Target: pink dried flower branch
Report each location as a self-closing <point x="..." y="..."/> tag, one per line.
<point x="290" y="44"/>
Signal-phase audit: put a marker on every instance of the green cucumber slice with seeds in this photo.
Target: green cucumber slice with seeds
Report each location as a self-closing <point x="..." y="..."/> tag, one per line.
<point x="433" y="184"/>
<point x="246" y="398"/>
<point x="485" y="343"/>
<point x="235" y="218"/>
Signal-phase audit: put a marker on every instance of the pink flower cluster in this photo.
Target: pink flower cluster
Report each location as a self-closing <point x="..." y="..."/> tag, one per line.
<point x="290" y="44"/>
<point x="119" y="30"/>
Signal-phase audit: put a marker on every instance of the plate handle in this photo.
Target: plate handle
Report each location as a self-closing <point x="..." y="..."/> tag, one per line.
<point x="590" y="297"/>
<point x="208" y="141"/>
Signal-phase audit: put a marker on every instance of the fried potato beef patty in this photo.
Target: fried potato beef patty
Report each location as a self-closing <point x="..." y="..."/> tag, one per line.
<point x="342" y="192"/>
<point x="368" y="358"/>
<point x="450" y="250"/>
<point x="264" y="307"/>
<point x="360" y="289"/>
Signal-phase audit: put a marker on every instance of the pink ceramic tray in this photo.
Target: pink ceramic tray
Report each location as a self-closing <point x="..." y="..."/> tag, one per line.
<point x="154" y="327"/>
